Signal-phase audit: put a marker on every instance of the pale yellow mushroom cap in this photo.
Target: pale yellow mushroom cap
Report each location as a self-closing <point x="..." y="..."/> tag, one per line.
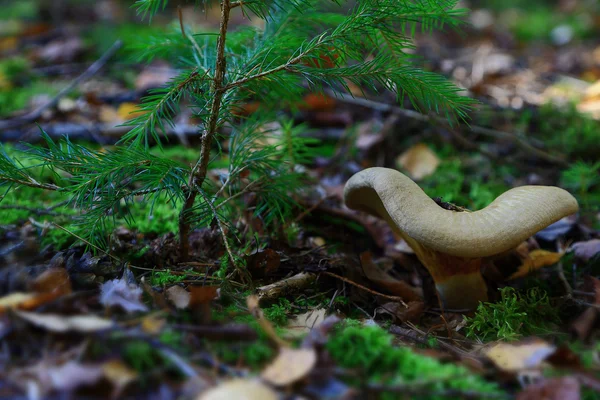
<point x="513" y="217"/>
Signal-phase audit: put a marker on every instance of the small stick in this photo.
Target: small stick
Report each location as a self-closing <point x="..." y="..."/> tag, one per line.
<point x="88" y="73"/>
<point x="383" y="107"/>
<point x="366" y="289"/>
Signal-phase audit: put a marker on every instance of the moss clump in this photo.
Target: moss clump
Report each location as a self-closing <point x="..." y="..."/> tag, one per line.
<point x="516" y="315"/>
<point x="371" y="350"/>
<point x="472" y="186"/>
<point x="567" y="131"/>
<point x="253" y="354"/>
<point x="163" y="278"/>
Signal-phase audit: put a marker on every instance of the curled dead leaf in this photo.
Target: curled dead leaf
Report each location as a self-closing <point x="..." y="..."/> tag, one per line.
<point x="290" y="366"/>
<point x="535" y="260"/>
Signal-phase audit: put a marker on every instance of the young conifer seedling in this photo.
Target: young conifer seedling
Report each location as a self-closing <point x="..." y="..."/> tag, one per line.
<point x="303" y="44"/>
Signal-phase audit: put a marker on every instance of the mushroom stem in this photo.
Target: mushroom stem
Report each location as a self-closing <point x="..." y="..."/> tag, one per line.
<point x="458" y="280"/>
<point x="462" y="292"/>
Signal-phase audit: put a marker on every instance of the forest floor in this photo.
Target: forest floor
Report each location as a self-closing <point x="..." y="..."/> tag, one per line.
<point x="338" y="306"/>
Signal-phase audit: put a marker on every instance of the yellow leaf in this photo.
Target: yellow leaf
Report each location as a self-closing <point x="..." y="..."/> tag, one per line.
<point x="129" y="111"/>
<point x="419" y="161"/>
<point x="240" y="389"/>
<point x="536" y="260"/>
<point x="520" y="356"/>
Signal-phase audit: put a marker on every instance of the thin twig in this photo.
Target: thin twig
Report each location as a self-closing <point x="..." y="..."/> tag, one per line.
<point x="32" y="210"/>
<point x="223" y="235"/>
<point x="86" y="242"/>
<point x="383" y="107"/>
<point x="91" y="71"/>
<point x="292" y="61"/>
<point x="366" y="289"/>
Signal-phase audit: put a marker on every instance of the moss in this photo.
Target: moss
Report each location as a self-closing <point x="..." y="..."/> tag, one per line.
<point x="254" y="354"/>
<point x="583" y="180"/>
<point x="578" y="136"/>
<point x="18" y="98"/>
<point x="517" y="314"/>
<point x="164" y="278"/>
<point x="23" y="9"/>
<point x="278" y="313"/>
<point x="159" y="218"/>
<point x="450" y="182"/>
<point x="370" y="349"/>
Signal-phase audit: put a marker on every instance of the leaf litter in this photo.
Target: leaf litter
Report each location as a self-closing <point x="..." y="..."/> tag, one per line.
<point x="70" y="321"/>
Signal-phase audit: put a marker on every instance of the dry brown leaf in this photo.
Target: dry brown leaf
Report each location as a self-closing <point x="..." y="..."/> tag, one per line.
<point x="535" y="260"/>
<point x="514" y="357"/>
<point x="242" y="389"/>
<point x="419" y="161"/>
<point x="318" y="102"/>
<point x="290" y="366"/>
<point x="178" y="296"/>
<point x="60" y="323"/>
<point x="53" y="280"/>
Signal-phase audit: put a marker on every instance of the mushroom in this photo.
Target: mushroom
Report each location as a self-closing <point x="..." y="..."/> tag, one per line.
<point x="452" y="244"/>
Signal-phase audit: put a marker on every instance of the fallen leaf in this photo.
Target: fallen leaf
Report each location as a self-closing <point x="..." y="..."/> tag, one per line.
<point x="419" y="161"/>
<point x="153" y="324"/>
<point x="178" y="296"/>
<point x="263" y="262"/>
<point x="243" y="389"/>
<point x="584" y="251"/>
<point x="290" y="366"/>
<point x="120" y="293"/>
<point x="535" y="260"/>
<point x="128" y="111"/>
<point x="60" y="323"/>
<point x="511" y="357"/>
<point x="73" y="374"/>
<point x="53" y="280"/>
<point x="119" y="374"/>
<point x="563" y="388"/>
<point x="317" y="101"/>
<point x="108" y="114"/>
<point x="17" y="300"/>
